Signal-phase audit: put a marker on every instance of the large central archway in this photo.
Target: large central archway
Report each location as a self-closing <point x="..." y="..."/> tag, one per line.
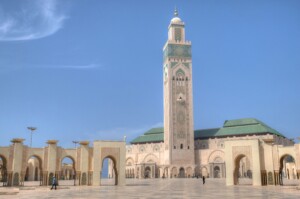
<point x="109" y="174"/>
<point x="67" y="174"/>
<point x="287" y="170"/>
<point x="243" y="171"/>
<point x="34" y="171"/>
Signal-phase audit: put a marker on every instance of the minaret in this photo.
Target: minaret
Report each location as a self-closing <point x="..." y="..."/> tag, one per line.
<point x="178" y="96"/>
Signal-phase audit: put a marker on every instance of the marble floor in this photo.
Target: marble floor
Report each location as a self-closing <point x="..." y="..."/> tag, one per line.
<point x="154" y="189"/>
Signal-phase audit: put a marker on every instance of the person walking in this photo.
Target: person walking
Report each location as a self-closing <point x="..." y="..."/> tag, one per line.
<point x="203" y="179"/>
<point x="54" y="183"/>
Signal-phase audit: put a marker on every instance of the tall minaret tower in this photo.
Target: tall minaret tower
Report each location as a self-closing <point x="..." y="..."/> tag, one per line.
<point x="178" y="97"/>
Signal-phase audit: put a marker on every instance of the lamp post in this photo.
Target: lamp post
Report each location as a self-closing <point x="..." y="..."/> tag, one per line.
<point x="31" y="129"/>
<point x="75" y="142"/>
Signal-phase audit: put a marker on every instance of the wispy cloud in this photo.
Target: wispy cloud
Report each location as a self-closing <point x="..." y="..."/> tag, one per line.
<point x="80" y="67"/>
<point x="33" y="19"/>
<point x="118" y="133"/>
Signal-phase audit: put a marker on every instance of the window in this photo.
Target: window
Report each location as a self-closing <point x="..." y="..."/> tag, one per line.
<point x="181" y="146"/>
<point x="177" y="34"/>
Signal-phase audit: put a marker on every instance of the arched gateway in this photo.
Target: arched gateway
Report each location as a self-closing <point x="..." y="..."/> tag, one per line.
<point x="19" y="163"/>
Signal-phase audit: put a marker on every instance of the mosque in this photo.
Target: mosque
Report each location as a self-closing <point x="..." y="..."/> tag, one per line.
<point x="244" y="151"/>
<point x="241" y="150"/>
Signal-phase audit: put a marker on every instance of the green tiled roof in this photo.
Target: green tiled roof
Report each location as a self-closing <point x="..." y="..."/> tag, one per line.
<point x="245" y="127"/>
<point x="239" y="127"/>
<point x="240" y="122"/>
<point x="206" y="133"/>
<point x="152" y="137"/>
<point x="154" y="131"/>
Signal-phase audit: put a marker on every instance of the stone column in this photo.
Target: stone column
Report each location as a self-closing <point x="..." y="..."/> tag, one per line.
<point x="276" y="177"/>
<point x="143" y="171"/>
<point x="139" y="171"/>
<point x="45" y="178"/>
<point x="153" y="172"/>
<point x="298" y="174"/>
<point x="9" y="178"/>
<point x="78" y="178"/>
<point x="84" y="160"/>
<point x="52" y="151"/>
<point x="17" y="162"/>
<point x="90" y="178"/>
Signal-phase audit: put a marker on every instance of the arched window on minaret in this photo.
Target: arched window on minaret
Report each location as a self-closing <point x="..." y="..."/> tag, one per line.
<point x="180" y="76"/>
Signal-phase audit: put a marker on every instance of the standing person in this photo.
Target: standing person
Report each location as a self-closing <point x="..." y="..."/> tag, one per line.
<point x="203" y="179"/>
<point x="53" y="183"/>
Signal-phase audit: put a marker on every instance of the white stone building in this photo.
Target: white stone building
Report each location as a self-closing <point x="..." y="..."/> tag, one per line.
<point x="177" y="150"/>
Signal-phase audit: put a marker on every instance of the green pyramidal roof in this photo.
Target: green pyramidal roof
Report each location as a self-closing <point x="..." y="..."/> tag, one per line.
<point x="240" y="122"/>
<point x="153" y="135"/>
<point x="245" y="127"/>
<point x="239" y="127"/>
<point x="154" y="131"/>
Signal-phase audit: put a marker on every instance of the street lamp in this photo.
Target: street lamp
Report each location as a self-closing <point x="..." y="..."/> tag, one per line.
<point x="75" y="142"/>
<point x="31" y="131"/>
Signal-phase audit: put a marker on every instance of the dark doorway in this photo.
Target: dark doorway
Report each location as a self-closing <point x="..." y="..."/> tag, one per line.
<point x="181" y="173"/>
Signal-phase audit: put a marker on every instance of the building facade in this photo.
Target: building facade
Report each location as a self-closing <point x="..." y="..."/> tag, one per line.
<point x="250" y="148"/>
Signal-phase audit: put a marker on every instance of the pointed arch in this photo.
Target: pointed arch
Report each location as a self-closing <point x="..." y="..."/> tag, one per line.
<point x="129" y="161"/>
<point x="180" y="72"/>
<point x="216" y="154"/>
<point x="151" y="158"/>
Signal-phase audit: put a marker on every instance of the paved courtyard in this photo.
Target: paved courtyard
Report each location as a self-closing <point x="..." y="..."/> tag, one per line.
<point x="155" y="188"/>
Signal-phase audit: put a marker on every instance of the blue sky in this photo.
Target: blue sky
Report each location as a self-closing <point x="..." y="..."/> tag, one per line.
<point x="81" y="70"/>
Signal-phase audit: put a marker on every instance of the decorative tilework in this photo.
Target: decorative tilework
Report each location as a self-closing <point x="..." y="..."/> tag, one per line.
<point x="173" y="64"/>
<point x="178" y="51"/>
<point x="186" y="65"/>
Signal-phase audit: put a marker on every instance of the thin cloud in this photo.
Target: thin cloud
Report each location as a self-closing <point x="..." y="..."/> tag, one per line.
<point x="91" y="66"/>
<point x="34" y="19"/>
<point x="80" y="67"/>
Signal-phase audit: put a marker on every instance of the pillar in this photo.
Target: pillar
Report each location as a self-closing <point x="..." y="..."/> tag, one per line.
<point x="17" y="162"/>
<point x="51" y="166"/>
<point x="84" y="161"/>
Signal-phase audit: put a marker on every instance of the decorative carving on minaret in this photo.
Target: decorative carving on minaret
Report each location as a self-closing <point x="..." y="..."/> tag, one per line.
<point x="178" y="110"/>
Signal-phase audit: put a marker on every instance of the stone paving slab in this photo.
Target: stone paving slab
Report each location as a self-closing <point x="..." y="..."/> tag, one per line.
<point x="156" y="189"/>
